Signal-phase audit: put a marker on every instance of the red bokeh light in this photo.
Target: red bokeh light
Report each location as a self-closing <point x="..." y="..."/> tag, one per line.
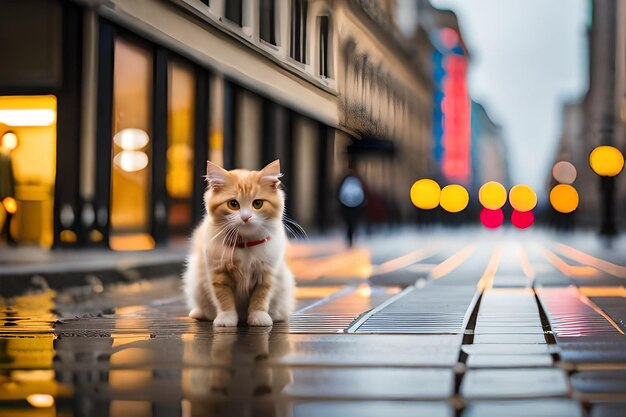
<point x="522" y="219"/>
<point x="491" y="219"/>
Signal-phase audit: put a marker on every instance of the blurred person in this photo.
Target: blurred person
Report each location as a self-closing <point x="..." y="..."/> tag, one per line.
<point x="7" y="184"/>
<point x="352" y="198"/>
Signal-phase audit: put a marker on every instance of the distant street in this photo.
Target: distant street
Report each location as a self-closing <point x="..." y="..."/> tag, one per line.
<point x="441" y="323"/>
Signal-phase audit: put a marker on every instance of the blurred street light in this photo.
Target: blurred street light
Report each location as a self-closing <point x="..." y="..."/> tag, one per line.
<point x="425" y="194"/>
<point x="492" y="195"/>
<point x="607" y="162"/>
<point x="522" y="198"/>
<point x="564" y="198"/>
<point x="564" y="172"/>
<point x="454" y="198"/>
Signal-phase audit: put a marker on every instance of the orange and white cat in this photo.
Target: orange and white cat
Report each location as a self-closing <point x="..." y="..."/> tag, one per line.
<point x="236" y="268"/>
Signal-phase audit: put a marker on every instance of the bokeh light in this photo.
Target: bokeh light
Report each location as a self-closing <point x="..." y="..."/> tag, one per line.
<point x="606" y="161"/>
<point x="564" y="198"/>
<point x="9" y="141"/>
<point x="454" y="198"/>
<point x="425" y="194"/>
<point x="491" y="219"/>
<point x="564" y="172"/>
<point x="492" y="195"/>
<point x="522" y="219"/>
<point x="522" y="198"/>
<point x="9" y="204"/>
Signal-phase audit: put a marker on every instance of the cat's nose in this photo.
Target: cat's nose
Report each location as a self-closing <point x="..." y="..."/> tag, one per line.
<point x="246" y="218"/>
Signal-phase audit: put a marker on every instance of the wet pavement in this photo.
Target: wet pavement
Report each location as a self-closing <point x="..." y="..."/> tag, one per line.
<point x="438" y="324"/>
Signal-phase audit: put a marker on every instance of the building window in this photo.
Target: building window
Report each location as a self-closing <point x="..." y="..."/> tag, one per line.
<point x="234" y="11"/>
<point x="324" y="45"/>
<point x="205" y="2"/>
<point x="268" y="21"/>
<point x="180" y="145"/>
<point x="131" y="175"/>
<point x="298" y="30"/>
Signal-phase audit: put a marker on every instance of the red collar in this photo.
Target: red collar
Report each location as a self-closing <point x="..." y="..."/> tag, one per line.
<point x="243" y="245"/>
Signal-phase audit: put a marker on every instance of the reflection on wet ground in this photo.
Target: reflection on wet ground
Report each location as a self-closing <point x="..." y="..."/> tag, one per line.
<point x="488" y="330"/>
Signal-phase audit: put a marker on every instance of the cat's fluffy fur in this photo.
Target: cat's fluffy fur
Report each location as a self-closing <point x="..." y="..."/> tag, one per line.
<point x="225" y="282"/>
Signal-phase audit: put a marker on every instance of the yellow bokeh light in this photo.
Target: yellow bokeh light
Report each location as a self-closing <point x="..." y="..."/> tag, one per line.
<point x="454" y="198"/>
<point x="492" y="195"/>
<point x="606" y="161"/>
<point x="564" y="198"/>
<point x="40" y="400"/>
<point x="425" y="194"/>
<point x="10" y="205"/>
<point x="522" y="198"/>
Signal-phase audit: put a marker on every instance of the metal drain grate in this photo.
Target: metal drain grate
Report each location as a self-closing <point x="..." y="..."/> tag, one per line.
<point x="570" y="316"/>
<point x="430" y="310"/>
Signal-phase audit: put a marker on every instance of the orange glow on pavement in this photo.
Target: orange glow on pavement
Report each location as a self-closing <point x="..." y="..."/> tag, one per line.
<point x="452" y="263"/>
<point x="353" y="263"/>
<point x="526" y="265"/>
<point x="567" y="269"/>
<point x="486" y="280"/>
<point x="602" y="291"/>
<point x="606" y="266"/>
<point x="406" y="260"/>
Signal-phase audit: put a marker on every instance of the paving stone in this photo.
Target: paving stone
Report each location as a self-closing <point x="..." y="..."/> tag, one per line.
<point x="514" y="383"/>
<point x="510" y="338"/>
<point x="509" y="361"/>
<point x="509" y="349"/>
<point x="610" y="381"/>
<point x="526" y="408"/>
<point x="608" y="410"/>
<point x="585" y="351"/>
<point x="383" y="383"/>
<point x="372" y="409"/>
<point x="482" y="329"/>
<point x="368" y="350"/>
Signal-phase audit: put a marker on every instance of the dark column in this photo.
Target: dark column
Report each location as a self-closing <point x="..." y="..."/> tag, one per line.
<point x="230" y="123"/>
<point x="324" y="194"/>
<point x="201" y="143"/>
<point x="104" y="126"/>
<point x="66" y="189"/>
<point x="159" y="149"/>
<point x="607" y="184"/>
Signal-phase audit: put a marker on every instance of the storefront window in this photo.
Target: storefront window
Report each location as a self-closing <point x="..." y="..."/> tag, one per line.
<point x="27" y="168"/>
<point x="180" y="134"/>
<point x="132" y="149"/>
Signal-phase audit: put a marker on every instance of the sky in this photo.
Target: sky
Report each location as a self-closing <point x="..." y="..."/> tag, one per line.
<point x="527" y="57"/>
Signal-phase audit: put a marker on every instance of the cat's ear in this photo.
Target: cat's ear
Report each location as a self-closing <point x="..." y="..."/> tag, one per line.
<point x="270" y="174"/>
<point x="215" y="176"/>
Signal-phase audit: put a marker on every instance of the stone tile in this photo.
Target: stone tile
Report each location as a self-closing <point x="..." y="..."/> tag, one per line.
<point x="367" y="383"/>
<point x="482" y="329"/>
<point x="368" y="350"/>
<point x="597" y="382"/>
<point x="526" y="408"/>
<point x="510" y="338"/>
<point x="509" y="349"/>
<point x="509" y="361"/>
<point x="514" y="383"/>
<point x="372" y="409"/>
<point x="608" y="410"/>
<point x="585" y="351"/>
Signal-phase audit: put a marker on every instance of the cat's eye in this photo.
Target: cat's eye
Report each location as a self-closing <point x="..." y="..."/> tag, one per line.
<point x="257" y="204"/>
<point x="233" y="204"/>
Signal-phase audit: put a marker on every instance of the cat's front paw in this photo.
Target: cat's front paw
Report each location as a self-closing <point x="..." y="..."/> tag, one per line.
<point x="226" y="319"/>
<point x="259" y="318"/>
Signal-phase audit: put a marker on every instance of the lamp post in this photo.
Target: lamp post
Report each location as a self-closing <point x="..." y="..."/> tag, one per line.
<point x="607" y="162"/>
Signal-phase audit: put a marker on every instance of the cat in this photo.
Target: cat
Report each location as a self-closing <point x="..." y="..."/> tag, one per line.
<point x="236" y="266"/>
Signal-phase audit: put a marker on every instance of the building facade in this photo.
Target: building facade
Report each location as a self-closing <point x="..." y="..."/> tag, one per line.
<point x="599" y="118"/>
<point x="122" y="102"/>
